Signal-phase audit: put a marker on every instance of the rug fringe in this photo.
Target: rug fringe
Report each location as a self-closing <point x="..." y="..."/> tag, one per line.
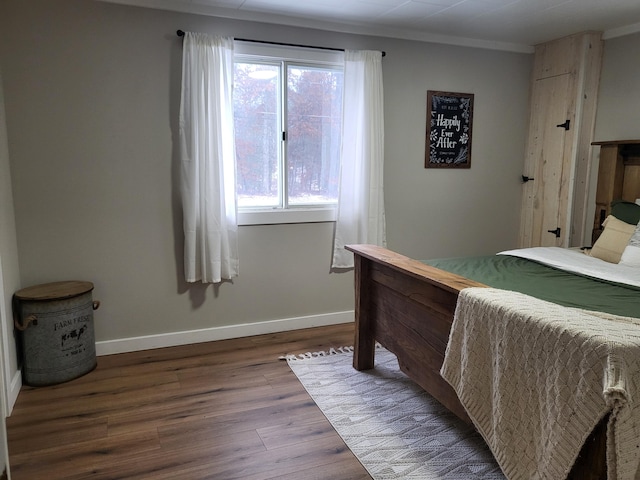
<point x="322" y="353"/>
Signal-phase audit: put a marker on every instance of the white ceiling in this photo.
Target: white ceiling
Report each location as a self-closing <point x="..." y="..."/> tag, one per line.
<point x="502" y="24"/>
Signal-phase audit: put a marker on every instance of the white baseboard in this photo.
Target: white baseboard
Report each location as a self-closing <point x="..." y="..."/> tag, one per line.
<point x="172" y="339"/>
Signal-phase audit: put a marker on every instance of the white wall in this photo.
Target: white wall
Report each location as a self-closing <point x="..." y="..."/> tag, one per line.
<point x="442" y="212"/>
<point x="92" y="92"/>
<point x="618" y="113"/>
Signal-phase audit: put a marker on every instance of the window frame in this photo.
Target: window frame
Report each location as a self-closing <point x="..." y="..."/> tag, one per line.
<point x="299" y="56"/>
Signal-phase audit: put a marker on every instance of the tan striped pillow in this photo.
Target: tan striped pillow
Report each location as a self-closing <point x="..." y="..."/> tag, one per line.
<point x="613" y="241"/>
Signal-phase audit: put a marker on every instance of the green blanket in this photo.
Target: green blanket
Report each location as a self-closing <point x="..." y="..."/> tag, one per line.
<point x="546" y="283"/>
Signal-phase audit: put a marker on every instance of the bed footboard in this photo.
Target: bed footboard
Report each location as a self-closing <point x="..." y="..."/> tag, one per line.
<point x="408" y="307"/>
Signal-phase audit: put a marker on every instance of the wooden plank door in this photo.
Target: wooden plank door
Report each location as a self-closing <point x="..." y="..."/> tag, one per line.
<point x="546" y="197"/>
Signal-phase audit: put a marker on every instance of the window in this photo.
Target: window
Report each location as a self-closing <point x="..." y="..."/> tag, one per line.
<point x="288" y="123"/>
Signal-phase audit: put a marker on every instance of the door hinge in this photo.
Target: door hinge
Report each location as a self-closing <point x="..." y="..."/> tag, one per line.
<point x="564" y="125"/>
<point x="526" y="179"/>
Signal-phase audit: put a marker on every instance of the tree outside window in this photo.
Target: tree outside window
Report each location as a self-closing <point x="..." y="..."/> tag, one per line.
<point x="287" y="130"/>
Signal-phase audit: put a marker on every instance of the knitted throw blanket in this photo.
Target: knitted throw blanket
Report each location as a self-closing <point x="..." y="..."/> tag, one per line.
<point x="536" y="378"/>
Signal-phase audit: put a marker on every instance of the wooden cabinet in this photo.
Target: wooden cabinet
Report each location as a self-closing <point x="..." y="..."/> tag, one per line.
<point x="618" y="177"/>
<point x="564" y="86"/>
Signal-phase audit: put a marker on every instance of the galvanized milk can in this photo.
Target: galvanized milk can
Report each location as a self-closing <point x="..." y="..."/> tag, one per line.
<point x="55" y="321"/>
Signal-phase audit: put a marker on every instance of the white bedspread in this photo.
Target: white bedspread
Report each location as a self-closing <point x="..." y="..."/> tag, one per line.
<point x="536" y="378"/>
<point x="577" y="262"/>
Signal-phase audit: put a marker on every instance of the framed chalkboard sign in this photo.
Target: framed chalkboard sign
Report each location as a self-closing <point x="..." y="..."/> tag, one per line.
<point x="449" y="125"/>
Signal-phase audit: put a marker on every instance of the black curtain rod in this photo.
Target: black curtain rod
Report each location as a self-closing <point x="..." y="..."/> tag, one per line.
<point x="181" y="34"/>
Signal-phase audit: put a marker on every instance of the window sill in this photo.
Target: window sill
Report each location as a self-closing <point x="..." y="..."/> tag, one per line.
<point x="274" y="217"/>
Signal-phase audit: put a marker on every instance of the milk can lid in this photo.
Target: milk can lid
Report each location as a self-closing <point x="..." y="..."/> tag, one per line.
<point x="54" y="290"/>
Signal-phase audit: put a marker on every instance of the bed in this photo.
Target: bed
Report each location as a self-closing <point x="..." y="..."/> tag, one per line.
<point x="408" y="307"/>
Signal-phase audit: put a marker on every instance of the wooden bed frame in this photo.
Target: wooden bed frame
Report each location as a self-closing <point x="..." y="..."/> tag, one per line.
<point x="408" y="307"/>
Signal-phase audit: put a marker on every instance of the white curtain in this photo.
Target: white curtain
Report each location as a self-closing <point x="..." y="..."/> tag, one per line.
<point x="207" y="152"/>
<point x="361" y="200"/>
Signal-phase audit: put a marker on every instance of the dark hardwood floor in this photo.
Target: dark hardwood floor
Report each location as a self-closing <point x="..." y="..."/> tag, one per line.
<point x="218" y="410"/>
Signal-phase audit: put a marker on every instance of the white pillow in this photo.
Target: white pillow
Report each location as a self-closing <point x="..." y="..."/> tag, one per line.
<point x="631" y="253"/>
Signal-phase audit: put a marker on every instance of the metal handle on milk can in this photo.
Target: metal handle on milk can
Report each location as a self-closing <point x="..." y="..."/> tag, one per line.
<point x="96" y="304"/>
<point x="27" y="321"/>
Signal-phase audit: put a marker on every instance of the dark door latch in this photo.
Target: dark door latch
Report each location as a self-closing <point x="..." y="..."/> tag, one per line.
<point x="556" y="232"/>
<point x="564" y="125"/>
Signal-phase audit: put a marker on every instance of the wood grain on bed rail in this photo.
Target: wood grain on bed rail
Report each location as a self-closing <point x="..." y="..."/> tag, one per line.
<point x="446" y="280"/>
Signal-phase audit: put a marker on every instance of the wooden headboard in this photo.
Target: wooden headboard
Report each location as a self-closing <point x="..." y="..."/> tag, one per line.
<point x="618" y="177"/>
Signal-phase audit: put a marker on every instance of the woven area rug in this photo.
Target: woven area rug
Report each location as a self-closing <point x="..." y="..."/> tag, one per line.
<point x="394" y="428"/>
